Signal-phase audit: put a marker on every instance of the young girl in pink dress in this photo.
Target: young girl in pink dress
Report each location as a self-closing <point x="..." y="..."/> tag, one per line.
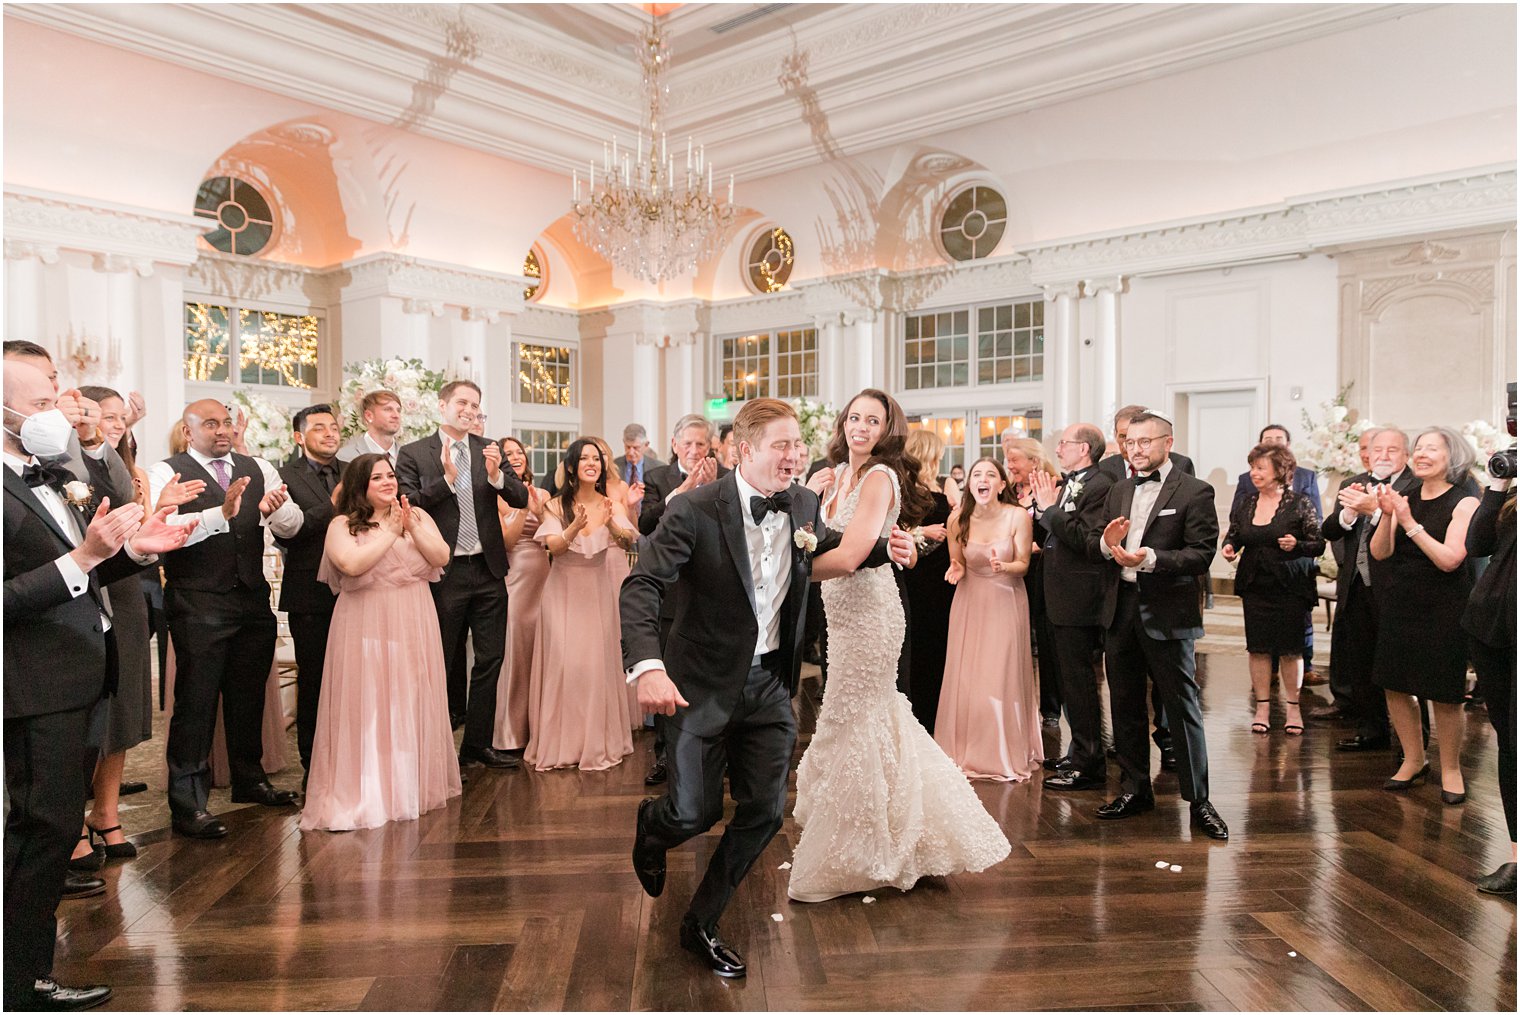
<point x="383" y="748"/>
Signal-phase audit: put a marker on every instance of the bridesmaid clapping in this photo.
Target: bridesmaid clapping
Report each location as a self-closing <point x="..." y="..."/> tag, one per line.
<point x="528" y="570"/>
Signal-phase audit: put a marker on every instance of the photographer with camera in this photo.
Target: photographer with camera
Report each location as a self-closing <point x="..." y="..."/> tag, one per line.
<point x="1489" y="621"/>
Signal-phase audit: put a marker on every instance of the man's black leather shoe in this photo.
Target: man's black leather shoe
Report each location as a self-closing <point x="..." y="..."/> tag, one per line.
<point x="708" y="946"/>
<point x="127" y="789"/>
<point x="657" y="774"/>
<point x="1361" y="743"/>
<point x="1500" y="882"/>
<point x="200" y="825"/>
<point x="50" y="995"/>
<point x="1127" y="805"/>
<point x="1070" y="778"/>
<point x="1057" y="764"/>
<point x="264" y="793"/>
<point x="1208" y="819"/>
<point x="487" y="756"/>
<point x="81" y="886"/>
<point x="1168" y="759"/>
<point x="648" y="862"/>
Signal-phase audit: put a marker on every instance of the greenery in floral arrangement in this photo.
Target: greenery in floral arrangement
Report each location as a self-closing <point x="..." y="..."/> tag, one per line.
<point x="268" y="435"/>
<point x="413" y="383"/>
<point x="1329" y="442"/>
<point x="817" y="422"/>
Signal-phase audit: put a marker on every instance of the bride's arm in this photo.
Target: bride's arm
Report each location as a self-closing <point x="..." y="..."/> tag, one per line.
<point x="861" y="535"/>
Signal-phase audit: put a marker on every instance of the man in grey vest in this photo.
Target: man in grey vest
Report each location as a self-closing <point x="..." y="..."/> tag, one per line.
<point x="220" y="622"/>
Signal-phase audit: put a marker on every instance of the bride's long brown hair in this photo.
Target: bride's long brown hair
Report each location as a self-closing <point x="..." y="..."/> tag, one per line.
<point x="891" y="450"/>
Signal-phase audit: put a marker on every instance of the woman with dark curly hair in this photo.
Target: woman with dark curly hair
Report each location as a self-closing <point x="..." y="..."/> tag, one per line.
<point x="1274" y="536"/>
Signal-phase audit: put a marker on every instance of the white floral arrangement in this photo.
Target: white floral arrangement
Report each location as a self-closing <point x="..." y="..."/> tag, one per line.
<point x="1329" y="443"/>
<point x="1487" y="440"/>
<point x="413" y="383"/>
<point x="817" y="422"/>
<point x="269" y="432"/>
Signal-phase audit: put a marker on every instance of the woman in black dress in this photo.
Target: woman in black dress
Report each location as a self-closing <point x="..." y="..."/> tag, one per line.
<point x="1274" y="534"/>
<point x="929" y="595"/>
<point x="1420" y="578"/>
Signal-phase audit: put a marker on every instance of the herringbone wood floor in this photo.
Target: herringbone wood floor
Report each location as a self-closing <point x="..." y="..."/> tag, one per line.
<point x="1331" y="894"/>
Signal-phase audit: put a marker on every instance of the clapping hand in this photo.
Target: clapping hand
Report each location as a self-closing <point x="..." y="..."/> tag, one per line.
<point x="137" y="408"/>
<point x="705" y="472"/>
<point x="1114" y="534"/>
<point x="176" y="493"/>
<point x="82" y="413"/>
<point x="106" y="533"/>
<point x="492" y="454"/>
<point x="1046" y="490"/>
<point x="450" y="473"/>
<point x="239" y="428"/>
<point x="233" y="502"/>
<point x="635" y="494"/>
<point x="1357" y="498"/>
<point x="273" y="500"/>
<point x="157" y="535"/>
<point x="408" y="518"/>
<point x="821" y="482"/>
<point x="600" y="514"/>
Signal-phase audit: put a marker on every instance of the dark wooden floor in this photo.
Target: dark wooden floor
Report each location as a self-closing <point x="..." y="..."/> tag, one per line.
<point x="1331" y="894"/>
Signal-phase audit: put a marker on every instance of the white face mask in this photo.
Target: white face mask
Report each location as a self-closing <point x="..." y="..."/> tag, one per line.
<point x="44" y="434"/>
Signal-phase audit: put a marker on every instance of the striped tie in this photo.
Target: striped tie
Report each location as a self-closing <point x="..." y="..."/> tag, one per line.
<point x="469" y="535"/>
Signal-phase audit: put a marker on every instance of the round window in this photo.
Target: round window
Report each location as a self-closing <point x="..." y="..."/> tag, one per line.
<point x="244" y="223"/>
<point x="770" y="260"/>
<point x="973" y="223"/>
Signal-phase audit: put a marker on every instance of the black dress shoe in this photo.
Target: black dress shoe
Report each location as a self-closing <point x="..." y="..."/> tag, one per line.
<point x="1057" y="764"/>
<point x="1208" y="819"/>
<point x="657" y="774"/>
<point x="708" y="946"/>
<point x="1070" y="778"/>
<point x="199" y="825"/>
<point x="127" y="789"/>
<point x="1361" y="743"/>
<point x="81" y="886"/>
<point x="264" y="793"/>
<point x="50" y="995"/>
<point x="487" y="756"/>
<point x="1168" y="759"/>
<point x="1127" y="805"/>
<point x="648" y="862"/>
<point x="1500" y="882"/>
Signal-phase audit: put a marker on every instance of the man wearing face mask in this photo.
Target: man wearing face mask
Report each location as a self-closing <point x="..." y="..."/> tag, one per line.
<point x="1356" y="617"/>
<point x="220" y="623"/>
<point x="63" y="544"/>
<point x="84" y="439"/>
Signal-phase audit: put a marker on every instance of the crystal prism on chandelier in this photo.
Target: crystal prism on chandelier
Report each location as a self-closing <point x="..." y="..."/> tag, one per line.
<point x="640" y="211"/>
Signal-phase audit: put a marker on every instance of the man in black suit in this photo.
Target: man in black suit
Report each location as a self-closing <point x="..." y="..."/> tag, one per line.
<point x="1160" y="534"/>
<point x="726" y="682"/>
<point x="1341" y="705"/>
<point x="1356" y="617"/>
<point x="312" y="477"/>
<point x="217" y="602"/>
<point x="456" y="476"/>
<point x="636" y="461"/>
<point x="1074" y="594"/>
<point x="63" y="544"/>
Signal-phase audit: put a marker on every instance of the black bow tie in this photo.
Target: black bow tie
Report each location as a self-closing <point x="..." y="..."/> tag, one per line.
<point x="46" y="475"/>
<point x="1154" y="477"/>
<point x="759" y="507"/>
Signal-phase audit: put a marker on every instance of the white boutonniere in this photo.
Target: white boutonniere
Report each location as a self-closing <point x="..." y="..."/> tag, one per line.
<point x="77" y="493"/>
<point x="1075" y="486"/>
<point x="805" y="539"/>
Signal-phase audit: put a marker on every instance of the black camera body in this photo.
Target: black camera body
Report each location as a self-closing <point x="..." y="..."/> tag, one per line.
<point x="1502" y="464"/>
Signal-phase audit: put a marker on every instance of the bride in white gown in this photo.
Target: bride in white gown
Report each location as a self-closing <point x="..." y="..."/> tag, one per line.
<point x="879" y="802"/>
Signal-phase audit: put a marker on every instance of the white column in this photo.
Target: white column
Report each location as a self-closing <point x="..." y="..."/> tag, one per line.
<point x="121" y="337"/>
<point x="23" y="293"/>
<point x="160" y="357"/>
<point x="683" y="383"/>
<point x="1105" y="292"/>
<point x="643" y="391"/>
<point x="497" y="374"/>
<point x="1062" y="372"/>
<point x="832" y="358"/>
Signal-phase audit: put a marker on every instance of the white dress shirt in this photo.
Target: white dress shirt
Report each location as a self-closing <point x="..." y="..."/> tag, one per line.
<point x="370" y="446"/>
<point x="284" y="521"/>
<point x="1139" y="515"/>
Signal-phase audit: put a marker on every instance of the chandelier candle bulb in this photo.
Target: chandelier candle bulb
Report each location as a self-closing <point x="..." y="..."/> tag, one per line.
<point x="730" y="188"/>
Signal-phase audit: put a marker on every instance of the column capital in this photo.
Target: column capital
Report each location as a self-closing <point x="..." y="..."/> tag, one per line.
<point x="649" y="339"/>
<point x="416" y="305"/>
<point x="113" y="264"/>
<point x="1056" y="290"/>
<point x="489" y="315"/>
<point x="24" y="250"/>
<point x="1104" y="284"/>
<point x="677" y="339"/>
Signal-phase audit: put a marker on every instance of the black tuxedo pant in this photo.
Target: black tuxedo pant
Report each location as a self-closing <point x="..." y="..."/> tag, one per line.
<point x="309" y="632"/>
<point x="1495" y="665"/>
<point x="1353" y="641"/>
<point x="1080" y="653"/>
<point x="43" y="758"/>
<point x="472" y="602"/>
<point x="223" y="648"/>
<point x="755" y="749"/>
<point x="1129" y="654"/>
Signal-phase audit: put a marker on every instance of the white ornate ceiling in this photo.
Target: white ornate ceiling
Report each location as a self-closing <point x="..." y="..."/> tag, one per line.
<point x="545" y="84"/>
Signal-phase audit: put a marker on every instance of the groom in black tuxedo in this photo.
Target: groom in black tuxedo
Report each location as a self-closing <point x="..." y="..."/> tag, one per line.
<point x="735" y="555"/>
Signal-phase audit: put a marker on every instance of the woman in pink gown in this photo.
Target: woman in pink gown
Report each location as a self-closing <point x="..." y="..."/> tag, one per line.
<point x="383" y="749"/>
<point x="528" y="569"/>
<point x="989" y="710"/>
<point x="577" y="698"/>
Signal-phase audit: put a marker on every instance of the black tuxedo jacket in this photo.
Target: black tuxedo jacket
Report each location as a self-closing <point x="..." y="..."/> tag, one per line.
<point x="1344" y="541"/>
<point x="1114" y="466"/>
<point x="55" y="643"/>
<point x="1183" y="529"/>
<point x="1074" y="584"/>
<point x="699" y="556"/>
<point x="658" y="483"/>
<point x="300" y="592"/>
<point x="419" y="470"/>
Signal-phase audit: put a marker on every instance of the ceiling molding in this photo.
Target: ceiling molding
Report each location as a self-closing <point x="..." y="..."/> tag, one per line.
<point x="39" y="224"/>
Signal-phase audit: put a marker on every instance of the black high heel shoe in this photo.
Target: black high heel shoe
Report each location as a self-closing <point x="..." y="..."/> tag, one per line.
<point x="1293" y="729"/>
<point x="112" y="851"/>
<point x="1400" y="785"/>
<point x="1262" y="727"/>
<point x="90" y="862"/>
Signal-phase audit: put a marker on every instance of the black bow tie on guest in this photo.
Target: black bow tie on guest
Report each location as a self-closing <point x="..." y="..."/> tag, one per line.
<point x="1154" y="477"/>
<point x="759" y="507"/>
<point x="46" y="475"/>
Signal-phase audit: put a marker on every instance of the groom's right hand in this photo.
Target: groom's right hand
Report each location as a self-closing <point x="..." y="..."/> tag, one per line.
<point x="658" y="695"/>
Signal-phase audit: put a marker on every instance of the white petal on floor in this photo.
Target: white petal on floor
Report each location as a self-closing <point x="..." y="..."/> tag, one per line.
<point x="868" y="899"/>
<point x="1293" y="955"/>
<point x="784" y="867"/>
<point x="1161" y="865"/>
<point x="1176" y="867"/>
<point x="777" y="917"/>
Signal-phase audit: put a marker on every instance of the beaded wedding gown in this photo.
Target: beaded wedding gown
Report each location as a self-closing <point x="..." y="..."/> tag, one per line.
<point x="878" y="801"/>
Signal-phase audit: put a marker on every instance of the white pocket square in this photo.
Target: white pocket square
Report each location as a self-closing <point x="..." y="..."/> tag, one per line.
<point x="1166" y="511"/>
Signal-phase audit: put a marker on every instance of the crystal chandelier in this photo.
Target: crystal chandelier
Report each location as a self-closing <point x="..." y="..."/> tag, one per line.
<point x="640" y="211"/>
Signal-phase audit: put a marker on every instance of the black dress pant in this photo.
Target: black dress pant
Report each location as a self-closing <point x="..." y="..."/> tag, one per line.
<point x="1080" y="651"/>
<point x="43" y="757"/>
<point x="755" y="749"/>
<point x="309" y="632"/>
<point x="472" y="601"/>
<point x="1352" y="643"/>
<point x="223" y="648"/>
<point x="1495" y="666"/>
<point x="1129" y="654"/>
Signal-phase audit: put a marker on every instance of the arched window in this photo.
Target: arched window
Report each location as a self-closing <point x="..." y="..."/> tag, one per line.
<point x="533" y="268"/>
<point x="770" y="261"/>
<point x="243" y="215"/>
